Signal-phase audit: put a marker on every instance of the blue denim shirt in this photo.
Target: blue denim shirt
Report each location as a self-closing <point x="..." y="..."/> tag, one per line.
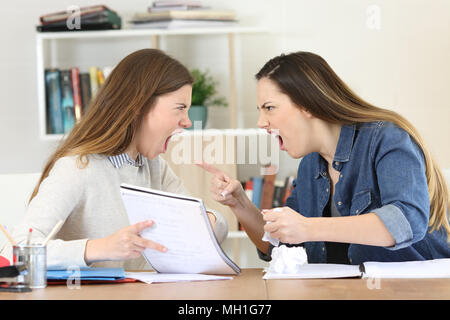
<point x="382" y="170"/>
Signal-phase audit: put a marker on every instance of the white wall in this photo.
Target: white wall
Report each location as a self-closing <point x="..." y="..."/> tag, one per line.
<point x="403" y="66"/>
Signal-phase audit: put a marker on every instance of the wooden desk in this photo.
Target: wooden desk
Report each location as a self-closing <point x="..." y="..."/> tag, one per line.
<point x="249" y="285"/>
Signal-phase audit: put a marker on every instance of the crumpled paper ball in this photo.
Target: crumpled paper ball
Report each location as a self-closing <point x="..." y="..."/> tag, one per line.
<point x="287" y="260"/>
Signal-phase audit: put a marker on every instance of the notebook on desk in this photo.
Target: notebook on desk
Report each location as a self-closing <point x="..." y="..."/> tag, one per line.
<point x="437" y="268"/>
<point x="181" y="224"/>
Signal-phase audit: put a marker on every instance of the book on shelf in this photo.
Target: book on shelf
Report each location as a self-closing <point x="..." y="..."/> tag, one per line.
<point x="215" y="15"/>
<point x="278" y="193"/>
<point x="94" y="80"/>
<point x="64" y="15"/>
<point x="182" y="14"/>
<point x="268" y="188"/>
<point x="178" y="24"/>
<point x="53" y="101"/>
<point x="76" y="89"/>
<point x="68" y="94"/>
<point x="67" y="101"/>
<point x="85" y="86"/>
<point x="175" y="5"/>
<point x="288" y="187"/>
<point x="87" y="18"/>
<point x="257" y="191"/>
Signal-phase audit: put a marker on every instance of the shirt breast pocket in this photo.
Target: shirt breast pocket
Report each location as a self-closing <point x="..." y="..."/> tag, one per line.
<point x="360" y="202"/>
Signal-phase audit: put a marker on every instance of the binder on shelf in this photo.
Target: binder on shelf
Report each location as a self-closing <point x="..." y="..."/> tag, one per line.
<point x="53" y="98"/>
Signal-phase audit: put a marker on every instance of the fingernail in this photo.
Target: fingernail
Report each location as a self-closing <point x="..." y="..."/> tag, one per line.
<point x="164" y="249"/>
<point x="224" y="193"/>
<point x="150" y="221"/>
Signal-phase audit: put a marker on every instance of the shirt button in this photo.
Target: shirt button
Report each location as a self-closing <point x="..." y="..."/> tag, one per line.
<point x="351" y="261"/>
<point x="341" y="176"/>
<point x="336" y="163"/>
<point x="323" y="249"/>
<point x="327" y="189"/>
<point x="357" y="211"/>
<point x="339" y="203"/>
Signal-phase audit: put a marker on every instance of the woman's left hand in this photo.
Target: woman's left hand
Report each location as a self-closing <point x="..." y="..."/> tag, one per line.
<point x="286" y="224"/>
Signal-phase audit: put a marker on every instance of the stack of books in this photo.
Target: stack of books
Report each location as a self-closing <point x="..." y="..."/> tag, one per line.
<point x="68" y="93"/>
<point x="182" y="14"/>
<point x="80" y="19"/>
<point x="268" y="192"/>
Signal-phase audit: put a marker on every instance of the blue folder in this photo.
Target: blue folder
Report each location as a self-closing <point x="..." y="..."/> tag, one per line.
<point x="109" y="274"/>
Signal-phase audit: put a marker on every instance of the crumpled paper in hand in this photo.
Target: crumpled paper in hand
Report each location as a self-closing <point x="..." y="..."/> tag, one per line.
<point x="274" y="241"/>
<point x="266" y="237"/>
<point x="287" y="260"/>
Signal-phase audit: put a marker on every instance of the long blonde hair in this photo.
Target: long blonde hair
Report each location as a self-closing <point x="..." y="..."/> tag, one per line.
<point x="117" y="110"/>
<point x="311" y="83"/>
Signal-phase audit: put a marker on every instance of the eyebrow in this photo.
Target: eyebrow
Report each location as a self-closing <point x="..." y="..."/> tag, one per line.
<point x="264" y="104"/>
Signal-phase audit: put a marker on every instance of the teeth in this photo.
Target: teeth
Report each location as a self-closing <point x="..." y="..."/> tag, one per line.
<point x="176" y="131"/>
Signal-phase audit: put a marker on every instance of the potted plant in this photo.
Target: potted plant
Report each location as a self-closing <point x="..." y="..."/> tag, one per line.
<point x="203" y="95"/>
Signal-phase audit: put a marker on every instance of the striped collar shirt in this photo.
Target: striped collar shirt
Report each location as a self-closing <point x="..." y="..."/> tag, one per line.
<point x="120" y="159"/>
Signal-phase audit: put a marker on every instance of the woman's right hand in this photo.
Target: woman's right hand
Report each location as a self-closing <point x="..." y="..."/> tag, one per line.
<point x="124" y="244"/>
<point x="224" y="190"/>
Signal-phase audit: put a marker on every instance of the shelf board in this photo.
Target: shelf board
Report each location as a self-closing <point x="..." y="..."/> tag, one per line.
<point x="147" y="32"/>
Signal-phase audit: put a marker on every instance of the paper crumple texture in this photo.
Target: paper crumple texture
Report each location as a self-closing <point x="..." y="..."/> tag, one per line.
<point x="266" y="237"/>
<point x="287" y="260"/>
<point x="274" y="241"/>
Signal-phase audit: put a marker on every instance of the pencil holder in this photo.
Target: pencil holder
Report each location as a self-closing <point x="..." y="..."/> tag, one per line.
<point x="34" y="256"/>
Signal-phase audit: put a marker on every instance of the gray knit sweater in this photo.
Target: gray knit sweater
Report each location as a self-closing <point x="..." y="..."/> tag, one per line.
<point x="88" y="200"/>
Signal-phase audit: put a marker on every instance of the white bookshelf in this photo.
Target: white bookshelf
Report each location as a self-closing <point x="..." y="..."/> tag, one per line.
<point x="228" y="33"/>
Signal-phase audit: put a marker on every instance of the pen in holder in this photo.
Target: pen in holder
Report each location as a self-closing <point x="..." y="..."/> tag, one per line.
<point x="34" y="257"/>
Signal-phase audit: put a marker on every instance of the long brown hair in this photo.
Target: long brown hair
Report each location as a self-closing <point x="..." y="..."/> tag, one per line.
<point x="117" y="110"/>
<point x="311" y="84"/>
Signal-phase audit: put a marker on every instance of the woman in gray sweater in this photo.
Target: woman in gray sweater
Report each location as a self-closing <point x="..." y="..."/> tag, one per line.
<point x="142" y="103"/>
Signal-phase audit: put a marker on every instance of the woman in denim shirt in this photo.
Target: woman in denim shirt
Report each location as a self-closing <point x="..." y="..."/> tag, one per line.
<point x="367" y="188"/>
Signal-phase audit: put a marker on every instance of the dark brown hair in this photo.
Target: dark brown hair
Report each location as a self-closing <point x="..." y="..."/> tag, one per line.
<point x="311" y="84"/>
<point x="117" y="110"/>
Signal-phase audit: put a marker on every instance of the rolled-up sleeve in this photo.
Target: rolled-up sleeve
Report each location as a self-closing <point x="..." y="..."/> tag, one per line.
<point x="400" y="170"/>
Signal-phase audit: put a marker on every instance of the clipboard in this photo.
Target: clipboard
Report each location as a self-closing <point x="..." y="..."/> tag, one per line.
<point x="181" y="224"/>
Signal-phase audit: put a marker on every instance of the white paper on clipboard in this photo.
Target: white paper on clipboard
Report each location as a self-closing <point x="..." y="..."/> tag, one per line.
<point x="181" y="224"/>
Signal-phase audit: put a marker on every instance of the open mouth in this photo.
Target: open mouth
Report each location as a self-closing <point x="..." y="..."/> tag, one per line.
<point x="280" y="141"/>
<point x="177" y="131"/>
<point x="276" y="135"/>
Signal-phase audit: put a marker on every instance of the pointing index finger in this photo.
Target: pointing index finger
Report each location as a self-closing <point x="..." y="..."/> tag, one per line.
<point x="210" y="168"/>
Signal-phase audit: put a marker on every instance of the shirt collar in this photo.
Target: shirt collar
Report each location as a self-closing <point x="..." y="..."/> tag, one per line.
<point x="120" y="159"/>
<point x="343" y="150"/>
<point x="345" y="143"/>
